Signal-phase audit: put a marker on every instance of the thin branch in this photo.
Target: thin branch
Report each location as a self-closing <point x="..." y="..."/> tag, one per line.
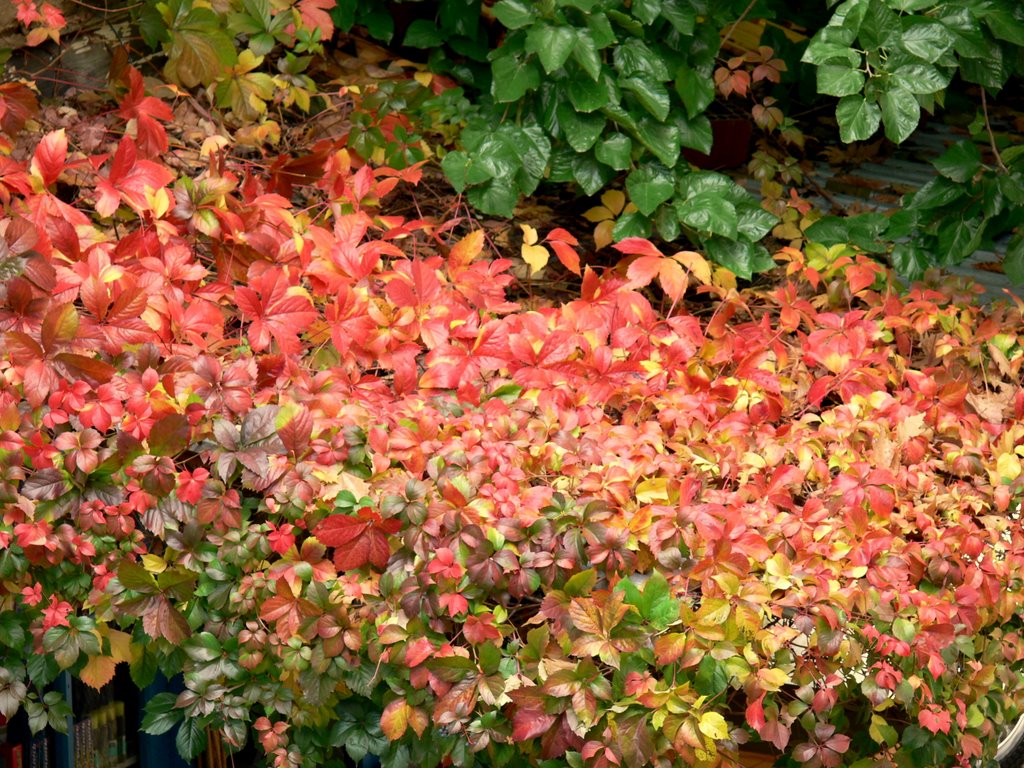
<point x="736" y="23"/>
<point x="991" y="136"/>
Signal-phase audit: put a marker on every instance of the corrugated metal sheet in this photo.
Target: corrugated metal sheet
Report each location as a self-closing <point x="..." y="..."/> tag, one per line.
<point x="882" y="184"/>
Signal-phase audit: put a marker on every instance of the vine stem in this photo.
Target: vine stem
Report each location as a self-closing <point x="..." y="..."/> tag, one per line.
<point x="991" y="136"/>
<point x="742" y="16"/>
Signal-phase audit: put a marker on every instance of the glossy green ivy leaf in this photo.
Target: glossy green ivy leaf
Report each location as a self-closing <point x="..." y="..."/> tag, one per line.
<point x="708" y="213"/>
<point x="925" y="38"/>
<point x="900" y="114"/>
<point x="514" y="14"/>
<point x="696" y="90"/>
<point x="552" y="43"/>
<point x="652" y="96"/>
<point x="662" y="140"/>
<point x="960" y="162"/>
<point x="585" y="53"/>
<point x="649" y="186"/>
<point x="590" y="174"/>
<point x="742" y="258"/>
<point x="580" y="129"/>
<point x="858" y="118"/>
<point x="838" y="80"/>
<point x="921" y="78"/>
<point x="615" y="151"/>
<point x="1013" y="264"/>
<point x="513" y="76"/>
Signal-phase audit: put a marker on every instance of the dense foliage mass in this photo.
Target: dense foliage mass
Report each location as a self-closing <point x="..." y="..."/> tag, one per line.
<point x="609" y="95"/>
<point x="366" y="494"/>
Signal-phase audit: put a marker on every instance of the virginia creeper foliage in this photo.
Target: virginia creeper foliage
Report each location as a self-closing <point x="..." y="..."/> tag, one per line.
<point x="331" y="465"/>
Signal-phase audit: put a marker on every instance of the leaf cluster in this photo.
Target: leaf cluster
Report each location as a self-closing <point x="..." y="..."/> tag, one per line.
<point x="320" y="460"/>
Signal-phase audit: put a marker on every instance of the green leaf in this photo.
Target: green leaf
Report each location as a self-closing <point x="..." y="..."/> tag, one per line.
<point x="1006" y="24"/>
<point x="858" y="118"/>
<point x="615" y="151"/>
<point x="900" y="114"/>
<point x="601" y="30"/>
<point x="968" y="39"/>
<point x="534" y="149"/>
<point x="681" y="14"/>
<point x="199" y="50"/>
<point x="960" y="162"/>
<point x="924" y="38"/>
<point x="456" y="167"/>
<point x="935" y="194"/>
<point x="585" y="54"/>
<point x="633" y="58"/>
<point x="755" y="223"/>
<point x="911" y="260"/>
<point x="1013" y="264"/>
<point x="646" y="10"/>
<point x="632" y="224"/>
<point x="696" y="90"/>
<point x="191" y="739"/>
<point x="744" y="259"/>
<point x="821" y="52"/>
<point x="667" y="223"/>
<point x="423" y="33"/>
<point x="837" y="80"/>
<point x="660" y="139"/>
<point x="958" y="239"/>
<point x="552" y="44"/>
<point x="921" y="78"/>
<point x="513" y="75"/>
<point x="879" y="27"/>
<point x="708" y="213"/>
<point x="652" y="96"/>
<point x="161" y="714"/>
<point x="649" y="186"/>
<point x="581" y="130"/>
<point x="990" y="70"/>
<point x="590" y="174"/>
<point x="696" y="133"/>
<point x="581" y="584"/>
<point x="514" y="13"/>
<point x="712" y="677"/>
<point x="497" y="197"/>
<point x="586" y="95"/>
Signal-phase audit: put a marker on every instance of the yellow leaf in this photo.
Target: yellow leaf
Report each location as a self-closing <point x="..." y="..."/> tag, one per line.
<point x="423" y="78"/>
<point x="120" y="644"/>
<point x="614" y="200"/>
<point x="697" y="264"/>
<point x="98" y="671"/>
<point x="713" y="725"/>
<point x="724" y="278"/>
<point x="154" y="563"/>
<point x="600" y="213"/>
<point x="652" y="490"/>
<point x="529" y="234"/>
<point x="1008" y="466"/>
<point x="772" y="679"/>
<point x="603" y="234"/>
<point x="536" y="256"/>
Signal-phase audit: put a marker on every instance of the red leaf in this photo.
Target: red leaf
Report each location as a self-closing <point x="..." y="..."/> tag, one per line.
<point x="50" y="156"/>
<point x="755" y="713"/>
<point x="641" y="271"/>
<point x="358" y="541"/>
<point x="567" y="255"/>
<point x="637" y="245"/>
<point x="276" y="310"/>
<point x="529" y="723"/>
<point x="129" y="180"/>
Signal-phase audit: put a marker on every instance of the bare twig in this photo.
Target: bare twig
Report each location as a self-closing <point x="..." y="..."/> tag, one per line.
<point x="991" y="136"/>
<point x="736" y="23"/>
